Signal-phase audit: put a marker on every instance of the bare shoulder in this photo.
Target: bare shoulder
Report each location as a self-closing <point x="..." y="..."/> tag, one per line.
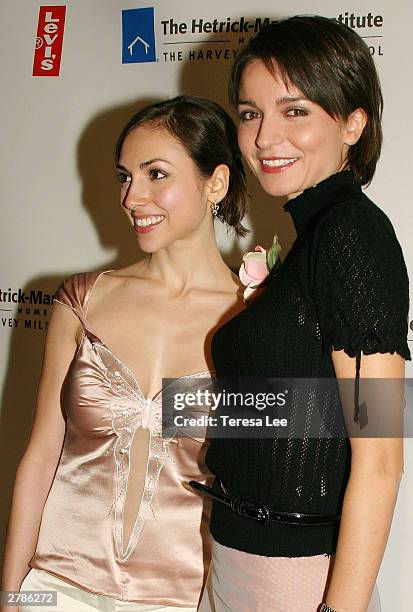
<point x="235" y="293"/>
<point x="113" y="285"/>
<point x="225" y="299"/>
<point x="134" y="270"/>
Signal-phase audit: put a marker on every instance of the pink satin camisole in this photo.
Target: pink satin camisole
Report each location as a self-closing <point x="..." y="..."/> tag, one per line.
<point x="163" y="558"/>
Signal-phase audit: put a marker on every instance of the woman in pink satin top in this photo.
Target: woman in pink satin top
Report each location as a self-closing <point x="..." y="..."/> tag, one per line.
<point x="100" y="508"/>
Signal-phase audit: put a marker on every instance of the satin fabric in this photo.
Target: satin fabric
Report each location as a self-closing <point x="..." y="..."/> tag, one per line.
<point x="81" y="539"/>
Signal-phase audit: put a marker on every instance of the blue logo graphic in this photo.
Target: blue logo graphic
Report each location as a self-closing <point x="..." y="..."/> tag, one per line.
<point x="138" y="36"/>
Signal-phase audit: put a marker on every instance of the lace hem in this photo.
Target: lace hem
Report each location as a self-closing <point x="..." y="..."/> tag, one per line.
<point x="368" y="344"/>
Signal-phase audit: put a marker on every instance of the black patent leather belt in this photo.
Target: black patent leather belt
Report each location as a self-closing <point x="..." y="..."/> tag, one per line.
<point x="260" y="512"/>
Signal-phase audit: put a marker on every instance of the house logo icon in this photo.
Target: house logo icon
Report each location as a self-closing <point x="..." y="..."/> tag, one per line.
<point x="138" y="36"/>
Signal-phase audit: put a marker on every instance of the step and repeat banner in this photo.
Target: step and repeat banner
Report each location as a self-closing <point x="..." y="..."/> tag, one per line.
<point x="71" y="74"/>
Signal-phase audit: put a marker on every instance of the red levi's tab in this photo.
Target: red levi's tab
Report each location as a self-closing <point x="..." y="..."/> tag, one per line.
<point x="49" y="41"/>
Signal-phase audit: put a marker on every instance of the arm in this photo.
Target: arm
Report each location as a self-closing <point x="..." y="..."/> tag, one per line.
<point x="370" y="497"/>
<point x="38" y="465"/>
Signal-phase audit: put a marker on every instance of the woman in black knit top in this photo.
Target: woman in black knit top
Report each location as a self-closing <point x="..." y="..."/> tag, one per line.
<point x="309" y="102"/>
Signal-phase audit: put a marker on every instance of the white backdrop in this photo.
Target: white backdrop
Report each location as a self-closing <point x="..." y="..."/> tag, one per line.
<point x="59" y="196"/>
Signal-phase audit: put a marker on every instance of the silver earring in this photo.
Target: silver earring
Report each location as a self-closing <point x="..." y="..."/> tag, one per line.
<point x="214" y="208"/>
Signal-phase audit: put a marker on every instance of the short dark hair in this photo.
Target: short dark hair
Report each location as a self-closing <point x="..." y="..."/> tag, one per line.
<point x="332" y="66"/>
<point x="209" y="136"/>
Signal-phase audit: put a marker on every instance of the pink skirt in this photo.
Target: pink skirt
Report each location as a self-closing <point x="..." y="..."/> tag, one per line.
<point x="244" y="582"/>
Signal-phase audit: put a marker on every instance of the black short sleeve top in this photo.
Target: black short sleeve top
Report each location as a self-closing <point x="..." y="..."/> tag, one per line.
<point x="343" y="285"/>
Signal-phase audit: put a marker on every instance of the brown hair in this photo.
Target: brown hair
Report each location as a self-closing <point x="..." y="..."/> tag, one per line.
<point x="332" y="66"/>
<point x="209" y="136"/>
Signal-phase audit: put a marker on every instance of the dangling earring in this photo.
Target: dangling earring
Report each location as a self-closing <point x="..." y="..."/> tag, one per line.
<point x="214" y="208"/>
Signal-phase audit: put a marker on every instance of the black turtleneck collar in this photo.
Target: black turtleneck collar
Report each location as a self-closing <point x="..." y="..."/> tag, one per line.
<point x="314" y="200"/>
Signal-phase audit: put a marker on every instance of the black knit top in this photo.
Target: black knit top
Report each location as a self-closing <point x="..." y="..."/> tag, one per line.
<point x="343" y="285"/>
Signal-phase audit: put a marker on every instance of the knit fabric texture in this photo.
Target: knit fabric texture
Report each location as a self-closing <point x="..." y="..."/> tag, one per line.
<point x="343" y="285"/>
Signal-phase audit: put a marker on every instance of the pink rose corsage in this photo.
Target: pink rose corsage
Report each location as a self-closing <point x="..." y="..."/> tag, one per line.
<point x="256" y="266"/>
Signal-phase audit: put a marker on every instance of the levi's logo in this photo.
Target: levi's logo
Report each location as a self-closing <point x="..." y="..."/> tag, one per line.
<point x="49" y="41"/>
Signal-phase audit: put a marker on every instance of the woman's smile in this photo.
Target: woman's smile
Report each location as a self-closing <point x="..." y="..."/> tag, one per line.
<point x="277" y="164"/>
<point x="161" y="190"/>
<point x="147" y="223"/>
<point x="289" y="142"/>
